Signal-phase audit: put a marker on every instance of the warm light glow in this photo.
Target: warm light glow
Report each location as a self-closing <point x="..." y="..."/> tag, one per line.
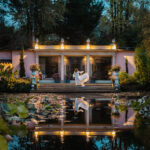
<point x="36" y="136"/>
<point x="36" y="46"/>
<point x="114" y="46"/>
<point x="62" y="43"/>
<point x="88" y="44"/>
<point x="113" y="134"/>
<point x="61" y="133"/>
<point x="62" y="46"/>
<point x="87" y="136"/>
<point x="87" y="133"/>
<point x="62" y="136"/>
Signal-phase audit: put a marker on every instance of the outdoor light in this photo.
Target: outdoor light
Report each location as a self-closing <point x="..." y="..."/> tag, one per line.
<point x="62" y="43"/>
<point x="114" y="46"/>
<point x="87" y="136"/>
<point x="36" y="136"/>
<point x="88" y="44"/>
<point x="62" y="136"/>
<point x="113" y="134"/>
<point x="36" y="46"/>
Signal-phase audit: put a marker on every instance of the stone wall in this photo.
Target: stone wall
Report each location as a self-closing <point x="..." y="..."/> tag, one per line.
<point x="29" y="58"/>
<point x="120" y="60"/>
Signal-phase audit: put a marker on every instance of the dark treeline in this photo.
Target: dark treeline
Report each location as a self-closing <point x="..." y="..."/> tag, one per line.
<point x="126" y="21"/>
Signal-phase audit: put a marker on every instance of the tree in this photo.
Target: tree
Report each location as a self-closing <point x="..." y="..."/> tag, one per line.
<point x="36" y="17"/>
<point x="22" y="69"/>
<point x="80" y="19"/>
<point x="142" y="65"/>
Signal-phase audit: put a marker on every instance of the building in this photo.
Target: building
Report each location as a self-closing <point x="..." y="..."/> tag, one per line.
<point x="61" y="60"/>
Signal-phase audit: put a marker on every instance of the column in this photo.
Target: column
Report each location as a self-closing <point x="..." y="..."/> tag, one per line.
<point x="113" y="59"/>
<point x="88" y="64"/>
<point x="62" y="68"/>
<point x="36" y="58"/>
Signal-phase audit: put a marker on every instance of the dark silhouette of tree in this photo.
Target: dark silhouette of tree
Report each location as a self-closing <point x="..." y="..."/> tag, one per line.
<point x="80" y="19"/>
<point x="22" y="68"/>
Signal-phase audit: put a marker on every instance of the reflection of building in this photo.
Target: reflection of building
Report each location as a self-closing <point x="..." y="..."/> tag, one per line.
<point x="95" y="60"/>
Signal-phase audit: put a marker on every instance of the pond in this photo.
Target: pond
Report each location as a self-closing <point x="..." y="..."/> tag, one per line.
<point x="76" y="124"/>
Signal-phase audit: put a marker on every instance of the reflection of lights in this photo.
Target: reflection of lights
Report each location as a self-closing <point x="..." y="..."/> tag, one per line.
<point x="91" y="105"/>
<point x="113" y="134"/>
<point x="62" y="43"/>
<point x="36" y="136"/>
<point x="114" y="46"/>
<point x="62" y="136"/>
<point x="87" y="136"/>
<point x="87" y="133"/>
<point x="61" y="133"/>
<point x="36" y="46"/>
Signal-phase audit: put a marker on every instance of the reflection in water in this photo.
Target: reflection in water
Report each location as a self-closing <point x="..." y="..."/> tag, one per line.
<point x="123" y="141"/>
<point x="81" y="124"/>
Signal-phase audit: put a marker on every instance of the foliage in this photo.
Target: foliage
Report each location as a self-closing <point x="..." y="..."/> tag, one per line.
<point x="3" y="143"/>
<point x="115" y="68"/>
<point x="3" y="127"/>
<point x="34" y="67"/>
<point x="8" y="82"/>
<point x="132" y="82"/>
<point x="18" y="109"/>
<point x="20" y="131"/>
<point x="142" y="120"/>
<point x="142" y="65"/>
<point x="15" y="111"/>
<point x="15" y="85"/>
<point x="125" y="78"/>
<point x="6" y="71"/>
<point x="80" y="19"/>
<point x="38" y="16"/>
<point x="22" y="69"/>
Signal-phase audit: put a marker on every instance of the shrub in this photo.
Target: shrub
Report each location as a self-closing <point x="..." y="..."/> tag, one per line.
<point x="142" y="65"/>
<point x="123" y="77"/>
<point x="15" y="85"/>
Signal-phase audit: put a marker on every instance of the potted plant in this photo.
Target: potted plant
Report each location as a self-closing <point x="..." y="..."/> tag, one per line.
<point x="68" y="78"/>
<point x="56" y="77"/>
<point x="114" y="75"/>
<point x="34" y="67"/>
<point x="93" y="78"/>
<point x="115" y="68"/>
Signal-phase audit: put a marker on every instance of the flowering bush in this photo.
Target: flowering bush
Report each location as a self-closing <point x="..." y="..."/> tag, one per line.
<point x="34" y="67"/>
<point x="115" y="68"/>
<point x="142" y="106"/>
<point x="15" y="85"/>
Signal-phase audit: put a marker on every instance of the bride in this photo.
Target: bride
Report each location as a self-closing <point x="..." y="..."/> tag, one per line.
<point x="80" y="79"/>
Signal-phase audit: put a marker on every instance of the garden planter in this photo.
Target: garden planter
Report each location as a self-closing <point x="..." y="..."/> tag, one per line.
<point x="57" y="81"/>
<point x="92" y="81"/>
<point x="67" y="81"/>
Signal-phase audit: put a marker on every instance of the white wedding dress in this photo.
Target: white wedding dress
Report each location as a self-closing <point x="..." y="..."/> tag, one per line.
<point x="80" y="79"/>
<point x="80" y="103"/>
